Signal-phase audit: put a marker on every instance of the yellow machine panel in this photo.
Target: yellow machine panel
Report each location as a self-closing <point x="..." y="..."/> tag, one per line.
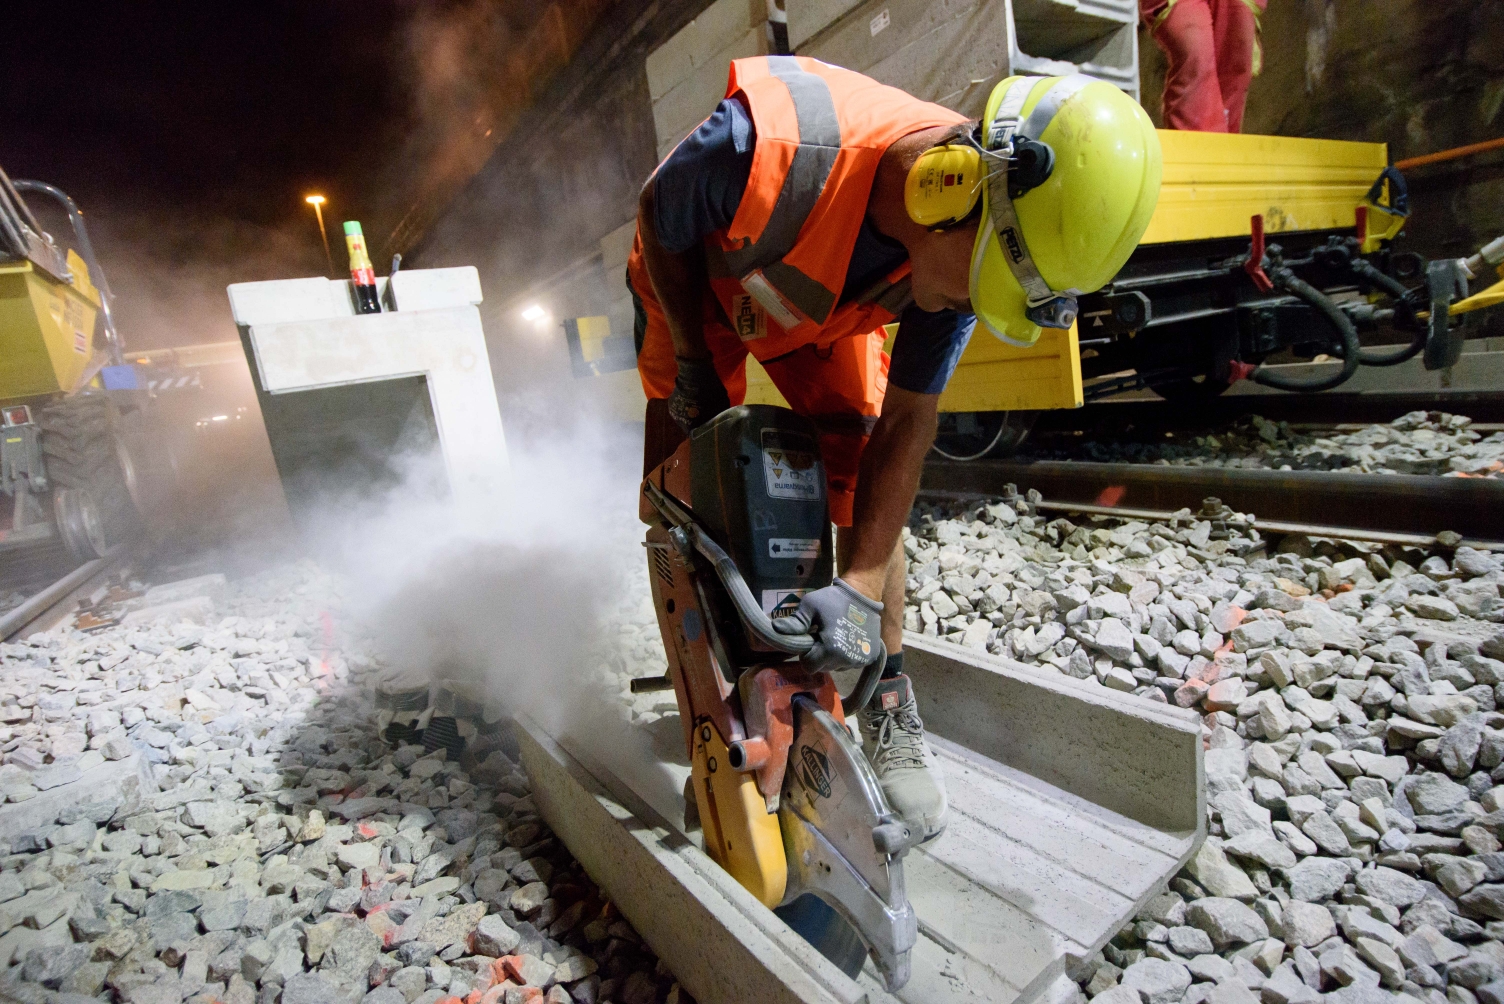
<point x="1214" y="182"/>
<point x="760" y="389"/>
<point x="992" y="376"/>
<point x="46" y="329"/>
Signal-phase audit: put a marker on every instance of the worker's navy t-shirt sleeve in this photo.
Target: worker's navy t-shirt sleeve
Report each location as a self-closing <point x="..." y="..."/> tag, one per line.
<point x="698" y="188"/>
<point x="927" y="348"/>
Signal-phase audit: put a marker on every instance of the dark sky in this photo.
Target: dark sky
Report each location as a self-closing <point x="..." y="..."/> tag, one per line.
<point x="190" y="133"/>
<point x="229" y="108"/>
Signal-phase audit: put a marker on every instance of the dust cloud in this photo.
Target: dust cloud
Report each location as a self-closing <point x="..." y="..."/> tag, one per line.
<point x="508" y="594"/>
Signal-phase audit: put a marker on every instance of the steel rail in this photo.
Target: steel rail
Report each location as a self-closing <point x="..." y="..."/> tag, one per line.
<point x="1264" y="526"/>
<point x="1337" y="502"/>
<point x="40" y="604"/>
<point x="1328" y="408"/>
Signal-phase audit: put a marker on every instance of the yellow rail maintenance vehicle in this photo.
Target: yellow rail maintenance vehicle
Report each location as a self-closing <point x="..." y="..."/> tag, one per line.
<point x="1260" y="245"/>
<point x="76" y="457"/>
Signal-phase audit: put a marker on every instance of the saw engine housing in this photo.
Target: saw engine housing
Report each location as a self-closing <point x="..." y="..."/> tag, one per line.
<point x="738" y="530"/>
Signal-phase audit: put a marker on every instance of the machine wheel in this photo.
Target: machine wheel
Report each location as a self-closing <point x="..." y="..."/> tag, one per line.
<point x="91" y="500"/>
<point x="79" y="523"/>
<point x="816" y="922"/>
<point x="972" y="435"/>
<point x="1200" y="388"/>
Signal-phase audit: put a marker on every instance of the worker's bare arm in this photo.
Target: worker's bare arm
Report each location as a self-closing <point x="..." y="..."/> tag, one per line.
<point x="679" y="282"/>
<point x="886" y="483"/>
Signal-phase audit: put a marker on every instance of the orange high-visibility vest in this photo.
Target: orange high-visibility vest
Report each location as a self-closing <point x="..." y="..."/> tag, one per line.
<point x="778" y="270"/>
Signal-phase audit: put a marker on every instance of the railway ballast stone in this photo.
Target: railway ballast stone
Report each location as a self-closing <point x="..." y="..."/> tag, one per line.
<point x="1354" y="751"/>
<point x="258" y="841"/>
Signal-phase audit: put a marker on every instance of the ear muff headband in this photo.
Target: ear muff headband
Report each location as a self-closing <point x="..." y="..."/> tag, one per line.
<point x="1046" y="307"/>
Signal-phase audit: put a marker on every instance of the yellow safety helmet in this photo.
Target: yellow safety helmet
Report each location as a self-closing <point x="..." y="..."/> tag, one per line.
<point x="1070" y="233"/>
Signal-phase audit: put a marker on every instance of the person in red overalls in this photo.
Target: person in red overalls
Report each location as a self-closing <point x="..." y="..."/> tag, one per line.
<point x="816" y="205"/>
<point x="1212" y="51"/>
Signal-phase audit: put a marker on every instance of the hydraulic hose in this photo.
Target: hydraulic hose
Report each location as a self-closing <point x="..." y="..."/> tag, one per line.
<point x="1287" y="280"/>
<point x="757" y="621"/>
<point x="751" y="612"/>
<point x="1396" y="289"/>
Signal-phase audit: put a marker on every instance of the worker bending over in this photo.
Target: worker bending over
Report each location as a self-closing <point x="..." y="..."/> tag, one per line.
<point x="816" y="205"/>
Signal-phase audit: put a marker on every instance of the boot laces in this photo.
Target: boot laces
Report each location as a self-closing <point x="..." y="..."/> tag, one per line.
<point x="899" y="742"/>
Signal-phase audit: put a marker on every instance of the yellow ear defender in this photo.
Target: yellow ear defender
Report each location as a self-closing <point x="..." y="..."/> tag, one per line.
<point x="943" y="186"/>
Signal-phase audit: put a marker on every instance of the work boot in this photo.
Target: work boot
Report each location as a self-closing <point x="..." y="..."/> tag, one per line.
<point x="909" y="772"/>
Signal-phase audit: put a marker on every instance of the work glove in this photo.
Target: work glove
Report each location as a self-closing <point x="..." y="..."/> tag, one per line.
<point x="698" y="394"/>
<point x="847" y="627"/>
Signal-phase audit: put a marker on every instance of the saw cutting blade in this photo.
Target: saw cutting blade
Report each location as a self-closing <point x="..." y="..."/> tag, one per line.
<point x="843" y="842"/>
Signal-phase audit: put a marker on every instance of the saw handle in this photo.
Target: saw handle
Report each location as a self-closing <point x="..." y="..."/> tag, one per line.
<point x="686" y="533"/>
<point x="751" y="612"/>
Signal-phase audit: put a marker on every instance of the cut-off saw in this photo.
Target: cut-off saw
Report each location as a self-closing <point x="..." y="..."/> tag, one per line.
<point x="739" y="529"/>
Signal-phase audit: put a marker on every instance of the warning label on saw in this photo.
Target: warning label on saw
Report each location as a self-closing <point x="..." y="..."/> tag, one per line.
<point x="793" y="547"/>
<point x="792" y="473"/>
<point x="780" y="602"/>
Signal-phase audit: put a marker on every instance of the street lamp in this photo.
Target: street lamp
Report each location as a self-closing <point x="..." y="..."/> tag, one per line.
<point x="317" y="202"/>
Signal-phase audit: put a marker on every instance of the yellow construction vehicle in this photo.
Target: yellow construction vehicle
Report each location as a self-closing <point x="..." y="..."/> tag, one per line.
<point x="1259" y="245"/>
<point x="77" y="459"/>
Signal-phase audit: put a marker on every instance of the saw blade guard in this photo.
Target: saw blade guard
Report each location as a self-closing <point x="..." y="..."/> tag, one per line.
<point x="843" y="842"/>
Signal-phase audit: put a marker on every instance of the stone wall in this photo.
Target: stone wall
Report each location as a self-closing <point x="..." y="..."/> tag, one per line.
<point x="1420" y="76"/>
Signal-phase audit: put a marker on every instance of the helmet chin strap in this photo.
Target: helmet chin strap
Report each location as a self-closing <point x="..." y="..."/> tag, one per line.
<point x="1046" y="307"/>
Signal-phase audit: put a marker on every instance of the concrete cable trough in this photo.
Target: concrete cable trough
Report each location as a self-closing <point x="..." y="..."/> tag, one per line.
<point x="1070" y="806"/>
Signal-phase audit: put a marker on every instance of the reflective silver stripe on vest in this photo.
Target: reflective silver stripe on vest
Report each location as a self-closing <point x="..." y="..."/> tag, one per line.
<point x="1044" y="113"/>
<point x="890" y="296"/>
<point x="819" y="142"/>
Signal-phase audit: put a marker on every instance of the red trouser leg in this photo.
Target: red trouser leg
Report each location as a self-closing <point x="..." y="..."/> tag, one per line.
<point x="1236" y="29"/>
<point x="1193" y="95"/>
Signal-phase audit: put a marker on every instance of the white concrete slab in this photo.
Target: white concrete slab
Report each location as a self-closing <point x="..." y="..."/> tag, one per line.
<point x="1097" y="802"/>
<point x="299" y="341"/>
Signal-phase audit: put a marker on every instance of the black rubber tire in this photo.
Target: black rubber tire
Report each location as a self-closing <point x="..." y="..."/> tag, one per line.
<point x="827" y="931"/>
<point x="78" y="444"/>
<point x="1006" y="431"/>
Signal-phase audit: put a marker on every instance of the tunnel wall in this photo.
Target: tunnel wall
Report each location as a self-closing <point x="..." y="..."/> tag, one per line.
<point x="1420" y="76"/>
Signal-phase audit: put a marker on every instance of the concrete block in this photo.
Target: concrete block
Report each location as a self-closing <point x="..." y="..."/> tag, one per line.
<point x="1132" y="756"/>
<point x="950" y="54"/>
<point x="316" y="299"/>
<point x="436" y="288"/>
<point x="1035" y="867"/>
<point x="616" y="247"/>
<point x="665" y="885"/>
<point x="954" y="53"/>
<point x="701" y="41"/>
<point x="314" y="374"/>
<point x="686" y="105"/>
<point x="807" y="18"/>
